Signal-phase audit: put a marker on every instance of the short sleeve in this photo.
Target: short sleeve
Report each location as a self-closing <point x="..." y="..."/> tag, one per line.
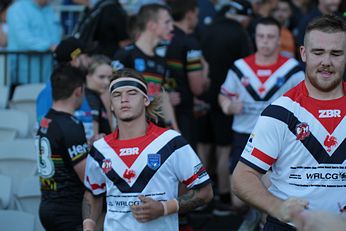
<point x="193" y="55"/>
<point x="76" y="142"/>
<point x="94" y="179"/>
<point x="189" y="168"/>
<point x="229" y="87"/>
<point x="265" y="143"/>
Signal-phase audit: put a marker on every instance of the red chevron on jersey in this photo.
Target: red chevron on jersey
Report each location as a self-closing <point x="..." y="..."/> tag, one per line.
<point x="264" y="72"/>
<point x="328" y="112"/>
<point x="128" y="152"/>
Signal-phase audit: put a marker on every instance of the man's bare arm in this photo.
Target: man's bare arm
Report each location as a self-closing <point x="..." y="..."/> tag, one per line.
<point x="91" y="210"/>
<point x="195" y="198"/>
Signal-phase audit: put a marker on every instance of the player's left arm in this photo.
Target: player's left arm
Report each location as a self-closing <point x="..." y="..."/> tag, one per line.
<point x="195" y="198"/>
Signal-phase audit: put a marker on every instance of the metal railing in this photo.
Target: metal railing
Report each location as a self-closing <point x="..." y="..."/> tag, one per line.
<point x="21" y="67"/>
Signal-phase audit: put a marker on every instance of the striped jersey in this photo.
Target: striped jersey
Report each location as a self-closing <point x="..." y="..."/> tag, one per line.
<point x="151" y="165"/>
<point x="258" y="86"/>
<point x="303" y="140"/>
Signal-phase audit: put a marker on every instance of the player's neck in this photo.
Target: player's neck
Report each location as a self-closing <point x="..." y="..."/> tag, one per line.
<point x="146" y="43"/>
<point x="336" y="93"/>
<point x="132" y="129"/>
<point x="262" y="60"/>
<point x="64" y="106"/>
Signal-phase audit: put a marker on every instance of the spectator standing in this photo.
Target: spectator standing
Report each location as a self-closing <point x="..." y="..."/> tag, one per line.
<point x="324" y="7"/>
<point x="103" y="27"/>
<point x="140" y="165"/>
<point x="97" y="82"/>
<point x="32" y="26"/>
<point x="252" y="84"/>
<point x="63" y="149"/>
<point x="300" y="136"/>
<point x="184" y="63"/>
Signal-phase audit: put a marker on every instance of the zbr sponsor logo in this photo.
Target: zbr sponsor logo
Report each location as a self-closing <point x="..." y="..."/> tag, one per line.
<point x="302" y="131"/>
<point x="129" y="151"/>
<point x="329" y="113"/>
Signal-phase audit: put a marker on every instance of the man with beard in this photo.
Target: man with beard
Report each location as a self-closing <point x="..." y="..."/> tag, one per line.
<point x="301" y="137"/>
<point x="140" y="165"/>
<point x="252" y="84"/>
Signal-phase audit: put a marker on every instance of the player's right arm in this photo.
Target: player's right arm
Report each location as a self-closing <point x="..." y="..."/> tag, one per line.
<point x="91" y="210"/>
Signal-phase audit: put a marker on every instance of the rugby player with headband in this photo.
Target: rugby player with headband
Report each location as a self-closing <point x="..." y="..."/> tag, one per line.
<point x="140" y="165"/>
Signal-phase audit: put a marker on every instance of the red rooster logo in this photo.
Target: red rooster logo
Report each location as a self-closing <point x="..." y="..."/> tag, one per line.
<point x="129" y="174"/>
<point x="330" y="142"/>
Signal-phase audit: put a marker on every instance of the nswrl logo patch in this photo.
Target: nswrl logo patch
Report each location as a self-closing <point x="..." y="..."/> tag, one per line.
<point x="154" y="161"/>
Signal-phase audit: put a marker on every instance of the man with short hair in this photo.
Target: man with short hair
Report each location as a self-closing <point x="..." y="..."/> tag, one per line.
<point x="301" y="136"/>
<point x="140" y="165"/>
<point x="62" y="151"/>
<point x="185" y="65"/>
<point x="153" y="23"/>
<point x="70" y="51"/>
<point x="253" y="83"/>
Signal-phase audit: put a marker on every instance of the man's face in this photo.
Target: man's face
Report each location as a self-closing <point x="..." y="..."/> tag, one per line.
<point x="163" y="26"/>
<point x="128" y="104"/>
<point x="330" y="6"/>
<point x="267" y="39"/>
<point x="282" y="12"/>
<point x="324" y="55"/>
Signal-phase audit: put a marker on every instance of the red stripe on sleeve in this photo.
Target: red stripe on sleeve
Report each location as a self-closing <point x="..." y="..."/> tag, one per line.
<point x="263" y="157"/>
<point x="190" y="180"/>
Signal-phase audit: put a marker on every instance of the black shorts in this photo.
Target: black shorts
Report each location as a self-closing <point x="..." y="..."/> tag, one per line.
<point x="238" y="145"/>
<point x="215" y="127"/>
<point x="187" y="126"/>
<point x="274" y="224"/>
<point x="60" y="217"/>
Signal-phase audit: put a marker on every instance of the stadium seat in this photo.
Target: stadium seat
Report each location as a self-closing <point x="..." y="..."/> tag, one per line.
<point x="24" y="99"/>
<point x="11" y="220"/>
<point x="5" y="191"/>
<point x="4" y="95"/>
<point x="27" y="198"/>
<point x="18" y="159"/>
<point x="13" y="124"/>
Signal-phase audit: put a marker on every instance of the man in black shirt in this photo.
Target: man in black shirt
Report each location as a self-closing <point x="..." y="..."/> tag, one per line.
<point x="184" y="62"/>
<point x="62" y="149"/>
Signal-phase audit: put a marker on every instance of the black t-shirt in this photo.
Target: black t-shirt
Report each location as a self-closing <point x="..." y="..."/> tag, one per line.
<point x="183" y="55"/>
<point x="103" y="27"/>
<point x="153" y="68"/>
<point x="223" y="42"/>
<point x="62" y="144"/>
<point x="98" y="110"/>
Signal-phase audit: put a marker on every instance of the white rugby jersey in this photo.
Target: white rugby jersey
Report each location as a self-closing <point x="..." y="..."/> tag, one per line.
<point x="152" y="165"/>
<point x="258" y="86"/>
<point x="303" y="140"/>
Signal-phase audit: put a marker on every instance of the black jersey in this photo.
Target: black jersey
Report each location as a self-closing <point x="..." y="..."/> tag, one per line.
<point x="62" y="144"/>
<point x="183" y="55"/>
<point x="153" y="68"/>
<point x="98" y="110"/>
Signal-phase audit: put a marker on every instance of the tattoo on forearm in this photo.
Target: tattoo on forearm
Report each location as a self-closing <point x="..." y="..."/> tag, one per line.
<point x="190" y="201"/>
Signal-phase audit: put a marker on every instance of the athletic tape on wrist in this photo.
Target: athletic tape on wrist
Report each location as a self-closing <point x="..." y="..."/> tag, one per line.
<point x="89" y="224"/>
<point x="169" y="207"/>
